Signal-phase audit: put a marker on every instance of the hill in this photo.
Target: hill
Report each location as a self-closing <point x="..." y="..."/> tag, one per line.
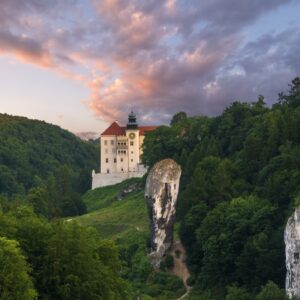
<point x="120" y="220"/>
<point x="32" y="150"/>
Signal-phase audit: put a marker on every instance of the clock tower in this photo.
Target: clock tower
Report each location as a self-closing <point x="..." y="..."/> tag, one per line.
<point x="132" y="133"/>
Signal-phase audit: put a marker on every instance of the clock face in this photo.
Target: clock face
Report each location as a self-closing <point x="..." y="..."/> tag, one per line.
<point x="132" y="135"/>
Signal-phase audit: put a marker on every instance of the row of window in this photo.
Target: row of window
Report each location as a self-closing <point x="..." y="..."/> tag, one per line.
<point x="119" y="151"/>
<point x="115" y="160"/>
<point x="113" y="151"/>
<point x="107" y="170"/>
<point x="112" y="142"/>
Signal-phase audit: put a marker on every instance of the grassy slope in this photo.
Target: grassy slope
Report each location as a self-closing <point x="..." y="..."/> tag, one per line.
<point x="122" y="221"/>
<point x="126" y="222"/>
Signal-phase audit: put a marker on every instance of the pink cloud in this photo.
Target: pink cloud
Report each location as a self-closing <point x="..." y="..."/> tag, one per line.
<point x="25" y="48"/>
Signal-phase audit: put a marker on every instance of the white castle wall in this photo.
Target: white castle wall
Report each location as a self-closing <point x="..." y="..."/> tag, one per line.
<point x="104" y="179"/>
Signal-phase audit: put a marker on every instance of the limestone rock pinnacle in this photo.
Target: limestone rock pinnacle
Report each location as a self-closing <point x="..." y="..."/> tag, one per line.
<point x="161" y="193"/>
<point x="292" y="254"/>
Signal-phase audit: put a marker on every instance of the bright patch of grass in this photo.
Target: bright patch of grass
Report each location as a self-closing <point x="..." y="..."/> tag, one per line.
<point x="124" y="221"/>
<point x="104" y="196"/>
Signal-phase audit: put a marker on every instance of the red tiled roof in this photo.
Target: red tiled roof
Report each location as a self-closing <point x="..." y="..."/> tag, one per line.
<point x="116" y="129"/>
<point x="144" y="129"/>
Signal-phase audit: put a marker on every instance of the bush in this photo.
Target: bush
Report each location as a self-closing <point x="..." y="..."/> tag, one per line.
<point x="236" y="293"/>
<point x="169" y="262"/>
<point x="271" y="291"/>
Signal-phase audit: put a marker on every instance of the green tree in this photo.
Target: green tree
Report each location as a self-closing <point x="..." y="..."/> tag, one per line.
<point x="293" y="98"/>
<point x="279" y="180"/>
<point x="38" y="198"/>
<point x="271" y="291"/>
<point x="33" y="234"/>
<point x="241" y="243"/>
<point x="212" y="182"/>
<point x="238" y="293"/>
<point x="208" y="146"/>
<point x="177" y="118"/>
<point x="93" y="271"/>
<point x="164" y="142"/>
<point x="15" y="282"/>
<point x="187" y="232"/>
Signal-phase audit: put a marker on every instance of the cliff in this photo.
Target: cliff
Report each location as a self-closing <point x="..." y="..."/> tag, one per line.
<point x="161" y="193"/>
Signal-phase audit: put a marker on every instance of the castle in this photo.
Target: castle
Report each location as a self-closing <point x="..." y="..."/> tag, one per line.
<point x="120" y="153"/>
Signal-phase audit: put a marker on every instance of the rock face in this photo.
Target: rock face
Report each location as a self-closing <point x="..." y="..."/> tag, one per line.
<point x="161" y="193"/>
<point x="292" y="254"/>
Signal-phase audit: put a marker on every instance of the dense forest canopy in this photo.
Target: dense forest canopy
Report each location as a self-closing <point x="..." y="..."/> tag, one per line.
<point x="31" y="149"/>
<point x="240" y="183"/>
<point x="49" y="165"/>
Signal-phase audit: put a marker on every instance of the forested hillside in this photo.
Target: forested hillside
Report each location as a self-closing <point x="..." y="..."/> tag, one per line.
<point x="240" y="183"/>
<point x="45" y="164"/>
<point x="44" y="170"/>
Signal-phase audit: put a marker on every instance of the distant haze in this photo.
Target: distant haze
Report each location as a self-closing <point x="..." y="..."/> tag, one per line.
<point x="87" y="135"/>
<point x="82" y="64"/>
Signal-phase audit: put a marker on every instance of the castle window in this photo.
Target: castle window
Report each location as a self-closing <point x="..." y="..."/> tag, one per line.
<point x="131" y="152"/>
<point x="107" y="171"/>
<point x="132" y="160"/>
<point x="105" y="143"/>
<point x="122" y="170"/>
<point x="296" y="255"/>
<point x="121" y="159"/>
<point x="112" y="142"/>
<point x="106" y="160"/>
<point x="131" y="143"/>
<point x="174" y="186"/>
<point x="115" y="160"/>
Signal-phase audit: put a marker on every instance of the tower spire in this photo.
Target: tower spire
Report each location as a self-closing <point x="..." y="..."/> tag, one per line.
<point x="132" y="124"/>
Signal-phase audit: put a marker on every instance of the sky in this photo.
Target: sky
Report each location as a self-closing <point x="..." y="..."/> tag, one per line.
<point x="82" y="64"/>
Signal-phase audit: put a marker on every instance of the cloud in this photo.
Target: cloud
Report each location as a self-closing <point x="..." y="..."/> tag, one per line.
<point x="155" y="57"/>
<point x="87" y="135"/>
<point x="25" y="48"/>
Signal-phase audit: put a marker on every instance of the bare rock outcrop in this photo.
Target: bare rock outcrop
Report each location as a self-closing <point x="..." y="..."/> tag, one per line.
<point x="292" y="254"/>
<point x="161" y="193"/>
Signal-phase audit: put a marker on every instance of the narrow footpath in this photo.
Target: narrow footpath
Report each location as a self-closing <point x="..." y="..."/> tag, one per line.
<point x="180" y="269"/>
